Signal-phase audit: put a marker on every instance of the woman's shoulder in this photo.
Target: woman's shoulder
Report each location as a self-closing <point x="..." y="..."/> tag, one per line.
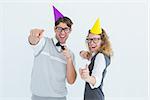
<point x="99" y="56"/>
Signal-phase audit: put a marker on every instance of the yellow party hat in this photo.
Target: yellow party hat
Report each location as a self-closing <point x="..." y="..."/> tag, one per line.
<point x="96" y="29"/>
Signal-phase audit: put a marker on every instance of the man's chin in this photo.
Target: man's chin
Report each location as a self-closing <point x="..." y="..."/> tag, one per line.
<point x="62" y="42"/>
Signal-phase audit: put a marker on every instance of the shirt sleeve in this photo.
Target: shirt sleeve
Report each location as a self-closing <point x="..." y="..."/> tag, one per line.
<point x="37" y="48"/>
<point x="99" y="66"/>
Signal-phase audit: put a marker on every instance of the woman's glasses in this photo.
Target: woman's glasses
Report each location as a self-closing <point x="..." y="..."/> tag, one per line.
<point x="60" y="29"/>
<point x="95" y="40"/>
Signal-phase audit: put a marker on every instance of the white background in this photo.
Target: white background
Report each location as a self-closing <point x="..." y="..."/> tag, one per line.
<point x="125" y="22"/>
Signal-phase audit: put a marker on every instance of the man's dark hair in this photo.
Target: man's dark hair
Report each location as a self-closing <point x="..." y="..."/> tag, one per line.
<point x="64" y="20"/>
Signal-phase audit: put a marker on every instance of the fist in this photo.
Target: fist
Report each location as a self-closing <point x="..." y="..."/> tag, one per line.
<point x="85" y="54"/>
<point x="35" y="36"/>
<point x="84" y="73"/>
<point x="37" y="33"/>
<point x="66" y="53"/>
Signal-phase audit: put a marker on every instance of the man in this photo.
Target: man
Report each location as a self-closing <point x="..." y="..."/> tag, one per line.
<point x="53" y="61"/>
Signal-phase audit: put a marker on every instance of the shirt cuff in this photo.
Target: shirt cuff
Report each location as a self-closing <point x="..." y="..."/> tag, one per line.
<point x="36" y="48"/>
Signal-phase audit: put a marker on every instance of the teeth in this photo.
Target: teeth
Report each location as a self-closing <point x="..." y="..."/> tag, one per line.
<point x="62" y="36"/>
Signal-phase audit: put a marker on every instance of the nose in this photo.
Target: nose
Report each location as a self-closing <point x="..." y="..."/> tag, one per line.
<point x="63" y="32"/>
<point x="91" y="43"/>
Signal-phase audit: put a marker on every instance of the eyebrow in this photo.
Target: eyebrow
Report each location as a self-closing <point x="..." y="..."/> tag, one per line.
<point x="63" y="27"/>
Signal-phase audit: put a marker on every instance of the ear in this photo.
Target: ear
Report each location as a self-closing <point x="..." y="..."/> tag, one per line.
<point x="70" y="30"/>
<point x="55" y="28"/>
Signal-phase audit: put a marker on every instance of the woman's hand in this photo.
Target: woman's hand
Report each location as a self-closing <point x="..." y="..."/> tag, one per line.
<point x="85" y="54"/>
<point x="84" y="73"/>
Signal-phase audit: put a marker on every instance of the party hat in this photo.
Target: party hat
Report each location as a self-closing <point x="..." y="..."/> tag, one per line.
<point x="96" y="29"/>
<point x="57" y="14"/>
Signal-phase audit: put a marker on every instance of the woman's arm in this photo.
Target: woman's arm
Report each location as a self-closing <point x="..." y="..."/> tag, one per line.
<point x="95" y="79"/>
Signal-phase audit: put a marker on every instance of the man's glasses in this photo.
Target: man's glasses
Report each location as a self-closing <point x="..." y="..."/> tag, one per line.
<point x="60" y="29"/>
<point x="95" y="40"/>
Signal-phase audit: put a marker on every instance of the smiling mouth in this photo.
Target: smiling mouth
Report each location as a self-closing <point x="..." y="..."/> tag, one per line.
<point x="62" y="36"/>
<point x="93" y="47"/>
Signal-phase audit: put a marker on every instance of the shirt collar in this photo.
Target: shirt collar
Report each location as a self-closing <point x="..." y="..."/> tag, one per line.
<point x="55" y="40"/>
<point x="93" y="53"/>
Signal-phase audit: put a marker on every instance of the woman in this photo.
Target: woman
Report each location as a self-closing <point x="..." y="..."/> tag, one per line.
<point x="99" y="54"/>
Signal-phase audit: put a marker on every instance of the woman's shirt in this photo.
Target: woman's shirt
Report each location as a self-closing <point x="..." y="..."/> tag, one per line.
<point x="99" y="66"/>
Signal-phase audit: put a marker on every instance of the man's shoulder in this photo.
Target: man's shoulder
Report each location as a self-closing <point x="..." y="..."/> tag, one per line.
<point x="47" y="38"/>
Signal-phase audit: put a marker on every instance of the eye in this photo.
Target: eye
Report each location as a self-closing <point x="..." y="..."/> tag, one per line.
<point x="59" y="28"/>
<point x="67" y="30"/>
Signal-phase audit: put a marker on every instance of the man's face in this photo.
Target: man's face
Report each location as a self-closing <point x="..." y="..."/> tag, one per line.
<point x="62" y="32"/>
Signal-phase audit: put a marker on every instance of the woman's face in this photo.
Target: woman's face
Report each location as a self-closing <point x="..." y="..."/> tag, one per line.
<point x="94" y="42"/>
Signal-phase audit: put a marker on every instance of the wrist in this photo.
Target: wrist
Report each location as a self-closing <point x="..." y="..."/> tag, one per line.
<point x="69" y="58"/>
<point x="89" y="79"/>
